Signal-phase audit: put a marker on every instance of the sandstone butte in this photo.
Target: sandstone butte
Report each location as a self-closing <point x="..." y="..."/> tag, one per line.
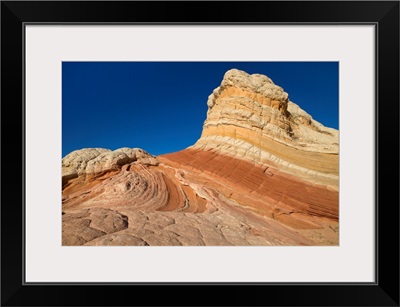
<point x="263" y="173"/>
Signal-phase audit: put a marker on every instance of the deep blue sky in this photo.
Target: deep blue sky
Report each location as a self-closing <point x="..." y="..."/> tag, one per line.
<point x="161" y="106"/>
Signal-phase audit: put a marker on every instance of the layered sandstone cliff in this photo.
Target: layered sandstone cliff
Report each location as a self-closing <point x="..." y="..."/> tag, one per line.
<point x="252" y="118"/>
<point x="262" y="173"/>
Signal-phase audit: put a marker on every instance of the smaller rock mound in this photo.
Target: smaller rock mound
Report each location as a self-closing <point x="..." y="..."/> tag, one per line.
<point x="100" y="160"/>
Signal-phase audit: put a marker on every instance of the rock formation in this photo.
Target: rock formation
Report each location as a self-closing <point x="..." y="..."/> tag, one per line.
<point x="252" y="118"/>
<point x="262" y="173"/>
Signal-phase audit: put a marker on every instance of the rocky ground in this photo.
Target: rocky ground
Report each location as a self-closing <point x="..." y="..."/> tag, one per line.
<point x="262" y="173"/>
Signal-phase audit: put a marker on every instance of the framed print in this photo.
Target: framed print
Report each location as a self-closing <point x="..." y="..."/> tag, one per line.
<point x="252" y="149"/>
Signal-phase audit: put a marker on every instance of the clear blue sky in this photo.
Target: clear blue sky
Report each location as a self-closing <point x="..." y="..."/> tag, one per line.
<point x="161" y="106"/>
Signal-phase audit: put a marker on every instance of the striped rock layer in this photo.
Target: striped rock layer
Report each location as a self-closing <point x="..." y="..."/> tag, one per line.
<point x="262" y="173"/>
<point x="251" y="118"/>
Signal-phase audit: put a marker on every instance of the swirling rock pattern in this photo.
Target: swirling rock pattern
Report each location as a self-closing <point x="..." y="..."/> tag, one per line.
<point x="262" y="173"/>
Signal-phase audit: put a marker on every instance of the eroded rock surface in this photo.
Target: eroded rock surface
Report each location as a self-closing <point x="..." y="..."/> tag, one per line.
<point x="252" y="118"/>
<point x="262" y="173"/>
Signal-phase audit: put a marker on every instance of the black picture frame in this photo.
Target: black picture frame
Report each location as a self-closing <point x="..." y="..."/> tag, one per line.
<point x="383" y="14"/>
